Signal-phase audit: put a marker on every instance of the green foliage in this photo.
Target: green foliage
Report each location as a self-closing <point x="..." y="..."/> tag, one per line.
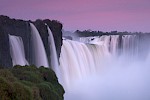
<point x="47" y="92"/>
<point x="22" y="92"/>
<point x="48" y="74"/>
<point x="29" y="83"/>
<point x="59" y="89"/>
<point x="6" y="90"/>
<point x="7" y="75"/>
<point x="14" y="91"/>
<point x="36" y="93"/>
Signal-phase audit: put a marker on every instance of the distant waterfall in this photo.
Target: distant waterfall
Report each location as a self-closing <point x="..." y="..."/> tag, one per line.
<point x="130" y="46"/>
<point x="53" y="54"/>
<point x="88" y="55"/>
<point x="109" y="67"/>
<point x="17" y="50"/>
<point x="39" y="57"/>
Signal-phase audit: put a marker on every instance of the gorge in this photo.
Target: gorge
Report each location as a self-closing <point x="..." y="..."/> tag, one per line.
<point x="103" y="67"/>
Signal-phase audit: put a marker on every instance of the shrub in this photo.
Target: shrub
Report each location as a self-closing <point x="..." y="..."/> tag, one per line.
<point x="48" y="74"/>
<point x="36" y="93"/>
<point x="7" y="75"/>
<point x="28" y="73"/>
<point x="6" y="90"/>
<point x="29" y="83"/>
<point x="47" y="93"/>
<point x="22" y="92"/>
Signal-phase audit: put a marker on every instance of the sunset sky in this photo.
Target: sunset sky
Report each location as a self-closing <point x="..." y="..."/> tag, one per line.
<point x="103" y="15"/>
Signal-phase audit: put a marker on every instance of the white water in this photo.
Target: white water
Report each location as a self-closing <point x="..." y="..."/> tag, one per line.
<point x="17" y="50"/>
<point x="95" y="71"/>
<point x="39" y="56"/>
<point x="53" y="54"/>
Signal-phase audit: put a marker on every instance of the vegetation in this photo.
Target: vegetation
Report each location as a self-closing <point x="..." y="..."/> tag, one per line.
<point x="89" y="32"/>
<point x="29" y="83"/>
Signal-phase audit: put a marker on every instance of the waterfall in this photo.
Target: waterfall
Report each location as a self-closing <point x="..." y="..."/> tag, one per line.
<point x="92" y="68"/>
<point x="17" y="50"/>
<point x="53" y="54"/>
<point x="79" y="59"/>
<point x="39" y="57"/>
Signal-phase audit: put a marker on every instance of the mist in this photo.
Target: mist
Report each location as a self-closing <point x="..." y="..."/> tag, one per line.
<point x="106" y="75"/>
<point x="119" y="80"/>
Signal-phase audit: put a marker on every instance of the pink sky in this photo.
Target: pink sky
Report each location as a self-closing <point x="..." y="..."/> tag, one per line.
<point x="103" y="15"/>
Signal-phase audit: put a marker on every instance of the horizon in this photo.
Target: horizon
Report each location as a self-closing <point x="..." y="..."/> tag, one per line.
<point x="96" y="15"/>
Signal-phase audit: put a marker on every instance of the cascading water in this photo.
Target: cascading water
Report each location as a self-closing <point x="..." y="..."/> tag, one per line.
<point x="54" y="59"/>
<point x="93" y="69"/>
<point x="39" y="57"/>
<point x="79" y="59"/>
<point x="17" y="50"/>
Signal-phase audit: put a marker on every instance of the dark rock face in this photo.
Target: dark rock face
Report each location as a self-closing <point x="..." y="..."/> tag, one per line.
<point x="56" y="28"/>
<point x="22" y="28"/>
<point x="14" y="27"/>
<point x="42" y="28"/>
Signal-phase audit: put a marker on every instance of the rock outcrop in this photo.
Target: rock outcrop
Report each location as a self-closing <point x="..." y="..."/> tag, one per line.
<point x="22" y="28"/>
